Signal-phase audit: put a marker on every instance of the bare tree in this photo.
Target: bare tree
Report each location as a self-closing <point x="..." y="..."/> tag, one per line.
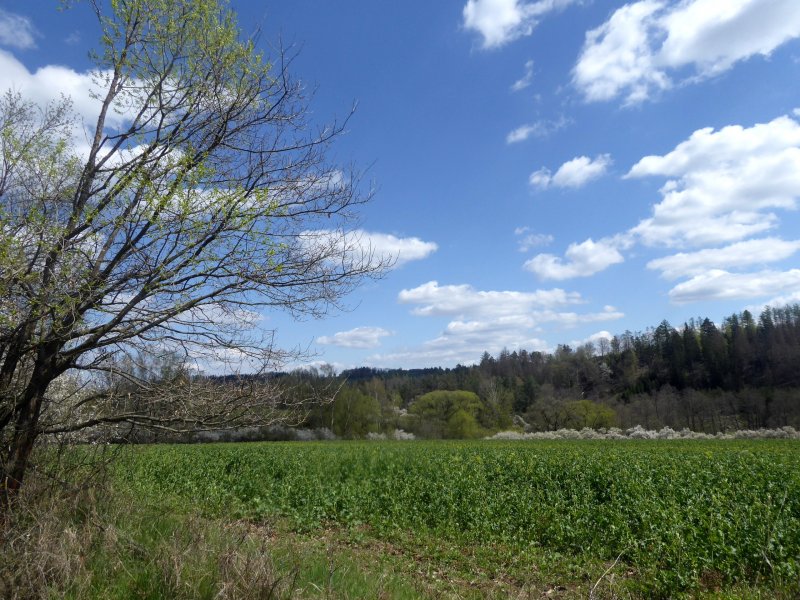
<point x="199" y="196"/>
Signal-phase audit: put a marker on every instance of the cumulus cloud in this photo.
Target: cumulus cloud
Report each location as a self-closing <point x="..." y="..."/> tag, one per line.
<point x="445" y="350"/>
<point x="594" y="339"/>
<point x="360" y="337"/>
<point x="724" y="185"/>
<point x="741" y="254"/>
<point x="584" y="259"/>
<point x="49" y="83"/>
<point x="643" y="44"/>
<point x="403" y="249"/>
<point x="572" y="174"/>
<point x="384" y="246"/>
<point x="541" y="179"/>
<point x="464" y="342"/>
<point x="487" y="321"/>
<point x="714" y="36"/>
<point x="16" y="31"/>
<point x="782" y="300"/>
<point x="510" y="331"/>
<point x="616" y="56"/>
<point x="718" y="284"/>
<point x="524" y="81"/>
<point x="722" y="188"/>
<point x="501" y="21"/>
<point x="461" y="300"/>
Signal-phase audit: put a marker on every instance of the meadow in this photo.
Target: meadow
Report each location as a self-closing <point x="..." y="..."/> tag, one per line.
<point x="656" y="519"/>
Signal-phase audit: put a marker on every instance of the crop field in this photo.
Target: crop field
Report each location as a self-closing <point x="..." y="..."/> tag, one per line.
<point x="676" y="516"/>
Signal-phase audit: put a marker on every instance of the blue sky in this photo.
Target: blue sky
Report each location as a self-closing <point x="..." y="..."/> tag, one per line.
<point x="547" y="171"/>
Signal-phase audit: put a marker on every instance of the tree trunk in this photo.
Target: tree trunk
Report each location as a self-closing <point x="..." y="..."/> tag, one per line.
<point x="21" y="445"/>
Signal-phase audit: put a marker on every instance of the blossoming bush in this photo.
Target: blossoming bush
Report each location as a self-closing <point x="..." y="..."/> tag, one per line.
<point x="640" y="433"/>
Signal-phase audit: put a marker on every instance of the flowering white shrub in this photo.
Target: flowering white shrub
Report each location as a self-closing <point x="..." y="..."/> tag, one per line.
<point x="397" y="434"/>
<point x="301" y="435"/>
<point x="640" y="433"/>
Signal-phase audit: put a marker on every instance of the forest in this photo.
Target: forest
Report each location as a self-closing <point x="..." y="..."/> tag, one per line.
<point x="739" y="374"/>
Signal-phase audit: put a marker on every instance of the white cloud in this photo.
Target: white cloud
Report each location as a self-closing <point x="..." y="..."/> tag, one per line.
<point x="722" y="188"/>
<point x="531" y="240"/>
<point x="463" y="300"/>
<point x="486" y="321"/>
<point x="360" y="337"/>
<point x="48" y="83"/>
<point x="584" y="259"/>
<point x="468" y="339"/>
<point x="572" y="174"/>
<point x="501" y="21"/>
<point x="718" y="284"/>
<point x="573" y="319"/>
<point x="616" y="56"/>
<point x="737" y="255"/>
<point x="724" y="184"/>
<point x="16" y="31"/>
<point x="404" y="249"/>
<point x="783" y="300"/>
<point x="463" y="342"/>
<point x="523" y="132"/>
<point x="578" y="171"/>
<point x="600" y="335"/>
<point x="595" y="338"/>
<point x="643" y="43"/>
<point x="541" y="179"/>
<point x="538" y="129"/>
<point x="446" y="352"/>
<point x="382" y="245"/>
<point x="524" y="81"/>
<point x="714" y="36"/>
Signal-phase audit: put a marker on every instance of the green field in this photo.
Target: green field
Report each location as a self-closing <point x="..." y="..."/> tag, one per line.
<point x="680" y="516"/>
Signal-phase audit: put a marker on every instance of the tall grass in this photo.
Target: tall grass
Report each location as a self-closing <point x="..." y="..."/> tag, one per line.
<point x="88" y="545"/>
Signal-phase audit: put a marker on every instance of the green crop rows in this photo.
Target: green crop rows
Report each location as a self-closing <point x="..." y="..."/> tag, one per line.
<point x="677" y="513"/>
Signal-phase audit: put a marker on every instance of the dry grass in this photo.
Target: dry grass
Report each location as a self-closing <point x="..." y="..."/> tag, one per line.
<point x="45" y="543"/>
<point x="76" y="545"/>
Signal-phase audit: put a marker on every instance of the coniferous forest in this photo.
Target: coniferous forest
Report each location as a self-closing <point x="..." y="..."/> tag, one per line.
<point x="741" y="373"/>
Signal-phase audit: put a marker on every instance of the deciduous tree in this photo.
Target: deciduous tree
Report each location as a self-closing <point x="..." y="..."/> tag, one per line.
<point x="201" y="198"/>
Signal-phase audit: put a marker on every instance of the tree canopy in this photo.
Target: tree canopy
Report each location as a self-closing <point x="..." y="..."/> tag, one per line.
<point x="199" y="196"/>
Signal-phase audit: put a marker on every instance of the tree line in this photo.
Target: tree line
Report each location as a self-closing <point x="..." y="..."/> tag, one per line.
<point x="738" y="374"/>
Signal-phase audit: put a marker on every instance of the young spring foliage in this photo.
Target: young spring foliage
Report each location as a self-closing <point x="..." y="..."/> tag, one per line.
<point x="677" y="513"/>
<point x="193" y="200"/>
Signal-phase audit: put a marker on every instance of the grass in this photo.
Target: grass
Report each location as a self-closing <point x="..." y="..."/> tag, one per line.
<point x="80" y="547"/>
<point x="424" y="520"/>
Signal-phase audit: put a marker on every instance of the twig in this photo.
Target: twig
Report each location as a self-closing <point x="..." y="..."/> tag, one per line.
<point x="603" y="576"/>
